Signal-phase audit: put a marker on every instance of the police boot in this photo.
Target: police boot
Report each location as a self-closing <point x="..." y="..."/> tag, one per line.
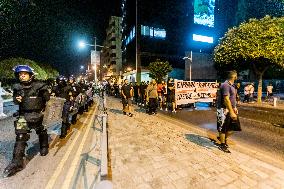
<point x="17" y="163"/>
<point x="43" y="143"/>
<point x="86" y="108"/>
<point x="74" y="119"/>
<point x="68" y="126"/>
<point x="63" y="130"/>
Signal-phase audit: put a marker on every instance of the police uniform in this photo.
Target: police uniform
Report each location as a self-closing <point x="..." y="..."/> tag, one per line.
<point x="34" y="97"/>
<point x="63" y="90"/>
<point x="76" y="90"/>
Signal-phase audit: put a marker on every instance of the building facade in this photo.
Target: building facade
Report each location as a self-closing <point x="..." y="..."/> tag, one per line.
<point x="111" y="54"/>
<point x="154" y="30"/>
<point x="166" y="30"/>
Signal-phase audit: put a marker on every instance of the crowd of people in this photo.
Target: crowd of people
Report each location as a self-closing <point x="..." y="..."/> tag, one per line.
<point x="150" y="95"/>
<point x="32" y="97"/>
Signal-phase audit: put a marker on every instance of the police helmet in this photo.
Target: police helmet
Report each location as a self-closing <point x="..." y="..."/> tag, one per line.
<point x="72" y="78"/>
<point x="23" y="68"/>
<point x="61" y="80"/>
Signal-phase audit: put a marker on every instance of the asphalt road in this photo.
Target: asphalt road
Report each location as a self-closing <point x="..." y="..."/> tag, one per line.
<point x="258" y="125"/>
<point x="48" y="171"/>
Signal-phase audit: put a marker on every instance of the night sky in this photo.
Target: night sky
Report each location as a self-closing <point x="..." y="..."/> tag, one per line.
<point x="95" y="14"/>
<point x="48" y="31"/>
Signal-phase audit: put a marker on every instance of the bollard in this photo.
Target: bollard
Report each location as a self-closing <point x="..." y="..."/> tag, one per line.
<point x="274" y="101"/>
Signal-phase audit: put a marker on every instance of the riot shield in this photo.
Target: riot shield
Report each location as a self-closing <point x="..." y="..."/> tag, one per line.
<point x="53" y="112"/>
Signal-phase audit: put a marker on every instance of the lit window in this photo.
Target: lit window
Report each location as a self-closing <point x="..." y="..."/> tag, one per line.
<point x="203" y="38"/>
<point x="159" y="33"/>
<point x="151" y="32"/>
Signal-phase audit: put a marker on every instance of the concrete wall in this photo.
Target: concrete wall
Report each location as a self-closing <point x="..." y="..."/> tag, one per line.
<point x="202" y="67"/>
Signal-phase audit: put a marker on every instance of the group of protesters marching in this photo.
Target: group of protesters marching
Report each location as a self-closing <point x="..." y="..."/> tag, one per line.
<point x="32" y="96"/>
<point x="151" y="95"/>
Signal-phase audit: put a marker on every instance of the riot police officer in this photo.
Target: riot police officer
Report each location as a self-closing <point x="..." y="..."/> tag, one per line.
<point x="63" y="90"/>
<point x="83" y="106"/>
<point x="76" y="90"/>
<point x="31" y="96"/>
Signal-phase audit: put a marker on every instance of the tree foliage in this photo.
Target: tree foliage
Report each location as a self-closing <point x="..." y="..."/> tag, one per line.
<point x="257" y="44"/>
<point x="159" y="69"/>
<point x="42" y="71"/>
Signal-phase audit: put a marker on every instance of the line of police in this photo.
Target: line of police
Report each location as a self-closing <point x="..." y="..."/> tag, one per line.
<point x="31" y="96"/>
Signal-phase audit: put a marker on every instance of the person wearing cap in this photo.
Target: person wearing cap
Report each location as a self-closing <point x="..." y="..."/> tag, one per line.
<point x="31" y="96"/>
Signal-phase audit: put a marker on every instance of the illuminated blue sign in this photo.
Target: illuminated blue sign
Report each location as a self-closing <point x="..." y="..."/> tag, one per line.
<point x="202" y="38"/>
<point x="204" y="12"/>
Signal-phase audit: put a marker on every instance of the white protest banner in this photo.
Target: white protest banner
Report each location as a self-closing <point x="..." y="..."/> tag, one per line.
<point x="206" y="91"/>
<point x="187" y="92"/>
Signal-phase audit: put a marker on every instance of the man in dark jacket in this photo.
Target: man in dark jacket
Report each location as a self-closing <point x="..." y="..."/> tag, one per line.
<point x="31" y="96"/>
<point x="76" y="90"/>
<point x="63" y="90"/>
<point x="127" y="94"/>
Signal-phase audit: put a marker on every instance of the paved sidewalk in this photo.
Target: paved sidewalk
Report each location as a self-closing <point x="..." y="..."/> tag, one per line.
<point x="148" y="152"/>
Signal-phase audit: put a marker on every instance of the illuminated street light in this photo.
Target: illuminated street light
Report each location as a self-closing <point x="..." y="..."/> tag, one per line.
<point x="129" y="69"/>
<point x="82" y="44"/>
<point x="81" y="67"/>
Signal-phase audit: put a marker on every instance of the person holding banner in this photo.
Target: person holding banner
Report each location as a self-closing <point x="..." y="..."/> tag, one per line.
<point x="171" y="95"/>
<point x="227" y="112"/>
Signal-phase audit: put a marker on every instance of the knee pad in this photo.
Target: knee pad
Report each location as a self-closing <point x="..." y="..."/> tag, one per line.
<point x="22" y="137"/>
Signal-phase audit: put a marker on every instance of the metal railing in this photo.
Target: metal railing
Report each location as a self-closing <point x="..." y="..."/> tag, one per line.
<point x="100" y="162"/>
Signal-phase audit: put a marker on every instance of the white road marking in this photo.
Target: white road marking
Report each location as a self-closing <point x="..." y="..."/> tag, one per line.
<point x="59" y="168"/>
<point x="76" y="160"/>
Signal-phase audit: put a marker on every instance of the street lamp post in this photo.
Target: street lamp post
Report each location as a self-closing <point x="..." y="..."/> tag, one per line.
<point x="82" y="44"/>
<point x="190" y="63"/>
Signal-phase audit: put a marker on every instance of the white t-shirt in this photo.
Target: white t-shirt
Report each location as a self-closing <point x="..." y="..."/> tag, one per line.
<point x="269" y="89"/>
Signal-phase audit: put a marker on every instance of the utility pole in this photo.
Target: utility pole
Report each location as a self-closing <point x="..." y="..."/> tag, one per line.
<point x="138" y="49"/>
<point x="190" y="63"/>
<point x="95" y="61"/>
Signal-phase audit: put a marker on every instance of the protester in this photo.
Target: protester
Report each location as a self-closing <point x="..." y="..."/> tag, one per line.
<point x="142" y="91"/>
<point x="136" y="92"/>
<point x="171" y="95"/>
<point x="127" y="94"/>
<point x="227" y="112"/>
<point x="31" y="96"/>
<point x="161" y="92"/>
<point x="246" y="93"/>
<point x="251" y="93"/>
<point x="269" y="90"/>
<point x="116" y="89"/>
<point x="152" y="97"/>
<point x="237" y="87"/>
